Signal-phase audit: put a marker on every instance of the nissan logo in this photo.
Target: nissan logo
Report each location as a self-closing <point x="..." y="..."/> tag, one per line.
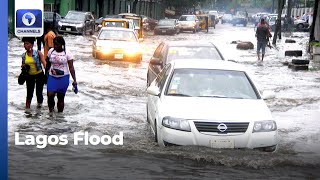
<point x="222" y="127"/>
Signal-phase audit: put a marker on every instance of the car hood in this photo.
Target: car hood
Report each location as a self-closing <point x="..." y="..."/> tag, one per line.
<point x="116" y="44"/>
<point x="215" y="108"/>
<point x="186" y="22"/>
<point x="70" y="21"/>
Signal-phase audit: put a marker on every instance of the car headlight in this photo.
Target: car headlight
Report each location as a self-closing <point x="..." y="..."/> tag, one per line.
<point x="60" y="23"/>
<point x="132" y="50"/>
<point x="176" y="123"/>
<point x="103" y="49"/>
<point x="264" y="126"/>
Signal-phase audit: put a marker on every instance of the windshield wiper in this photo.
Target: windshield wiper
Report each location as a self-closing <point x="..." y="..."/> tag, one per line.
<point x="214" y="96"/>
<point x="185" y="95"/>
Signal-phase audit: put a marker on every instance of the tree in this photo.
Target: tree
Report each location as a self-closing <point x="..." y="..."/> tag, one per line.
<point x="134" y="6"/>
<point x="315" y="16"/>
<point x="277" y="31"/>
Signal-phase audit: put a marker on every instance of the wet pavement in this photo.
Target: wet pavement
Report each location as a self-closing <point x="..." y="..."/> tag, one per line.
<point x="112" y="98"/>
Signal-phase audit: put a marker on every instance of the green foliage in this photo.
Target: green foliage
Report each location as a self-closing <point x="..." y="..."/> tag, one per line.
<point x="316" y="44"/>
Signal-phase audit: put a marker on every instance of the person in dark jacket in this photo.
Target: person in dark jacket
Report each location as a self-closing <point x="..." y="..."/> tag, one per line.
<point x="262" y="34"/>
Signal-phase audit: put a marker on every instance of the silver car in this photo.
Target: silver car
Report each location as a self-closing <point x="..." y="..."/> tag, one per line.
<point x="77" y="22"/>
<point x="189" y="23"/>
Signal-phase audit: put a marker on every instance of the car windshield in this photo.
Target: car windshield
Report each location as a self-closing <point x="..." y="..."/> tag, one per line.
<point x="187" y="18"/>
<point x="113" y="24"/>
<point x="211" y="83"/>
<point x="165" y="22"/>
<point x="136" y="23"/>
<point x="117" y="35"/>
<point x="204" y="52"/>
<point x="75" y="16"/>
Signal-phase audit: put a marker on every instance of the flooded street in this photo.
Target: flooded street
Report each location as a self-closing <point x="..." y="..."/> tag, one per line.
<point x="112" y="99"/>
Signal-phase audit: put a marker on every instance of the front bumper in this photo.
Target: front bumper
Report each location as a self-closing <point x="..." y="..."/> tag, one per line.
<point x="70" y="29"/>
<point x="187" y="28"/>
<point x="215" y="140"/>
<point x="119" y="55"/>
<point x="164" y="31"/>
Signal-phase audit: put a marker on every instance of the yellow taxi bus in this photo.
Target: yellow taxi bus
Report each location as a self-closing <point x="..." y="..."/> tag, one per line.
<point x="137" y="21"/>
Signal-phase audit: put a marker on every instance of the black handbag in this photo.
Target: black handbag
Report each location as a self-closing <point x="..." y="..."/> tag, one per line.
<point x="24" y="74"/>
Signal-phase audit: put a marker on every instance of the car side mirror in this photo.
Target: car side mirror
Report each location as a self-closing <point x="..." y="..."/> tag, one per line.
<point x="156" y="61"/>
<point x="268" y="94"/>
<point x="153" y="90"/>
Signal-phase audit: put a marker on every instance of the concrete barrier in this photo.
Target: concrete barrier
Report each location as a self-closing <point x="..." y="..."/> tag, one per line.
<point x="298" y="67"/>
<point x="300" y="61"/>
<point x="293" y="53"/>
<point x="290" y="41"/>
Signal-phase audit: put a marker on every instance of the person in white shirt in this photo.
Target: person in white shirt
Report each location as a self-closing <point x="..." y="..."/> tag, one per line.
<point x="60" y="66"/>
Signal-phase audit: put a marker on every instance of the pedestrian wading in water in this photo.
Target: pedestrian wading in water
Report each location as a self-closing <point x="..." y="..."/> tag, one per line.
<point x="33" y="60"/>
<point x="60" y="66"/>
<point x="262" y="34"/>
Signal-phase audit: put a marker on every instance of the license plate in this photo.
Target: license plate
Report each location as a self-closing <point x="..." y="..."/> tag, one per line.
<point x="163" y="31"/>
<point x="118" y="56"/>
<point x="222" y="143"/>
<point x="68" y="29"/>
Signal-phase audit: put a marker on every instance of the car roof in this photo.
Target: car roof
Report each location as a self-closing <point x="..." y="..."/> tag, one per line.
<point x="128" y="14"/>
<point x="83" y="12"/>
<point x="116" y="19"/>
<point x="187" y="43"/>
<point x="207" y="64"/>
<point x="117" y="28"/>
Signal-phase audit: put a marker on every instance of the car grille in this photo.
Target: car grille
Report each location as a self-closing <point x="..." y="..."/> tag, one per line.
<point x="232" y="127"/>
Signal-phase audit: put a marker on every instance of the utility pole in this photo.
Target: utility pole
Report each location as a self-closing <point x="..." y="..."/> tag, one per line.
<point x="277" y="31"/>
<point x="314" y="19"/>
<point x="272" y="6"/>
<point x="54" y="15"/>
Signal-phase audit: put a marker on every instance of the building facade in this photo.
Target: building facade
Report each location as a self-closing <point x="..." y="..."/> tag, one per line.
<point x="100" y="8"/>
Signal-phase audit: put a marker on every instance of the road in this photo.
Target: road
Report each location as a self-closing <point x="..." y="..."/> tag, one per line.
<point x="112" y="98"/>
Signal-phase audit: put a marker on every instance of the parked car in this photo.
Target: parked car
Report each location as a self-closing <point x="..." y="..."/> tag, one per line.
<point x="256" y="17"/>
<point x="189" y="23"/>
<point x="212" y="104"/>
<point x="113" y="43"/>
<point x="48" y="19"/>
<point x="170" y="50"/>
<point x="300" y="23"/>
<point x="167" y="26"/>
<point x="240" y="18"/>
<point x="77" y="22"/>
<point x="226" y="18"/>
<point x="148" y="23"/>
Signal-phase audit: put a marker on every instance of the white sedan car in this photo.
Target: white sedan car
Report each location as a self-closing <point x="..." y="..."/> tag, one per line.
<point x="213" y="104"/>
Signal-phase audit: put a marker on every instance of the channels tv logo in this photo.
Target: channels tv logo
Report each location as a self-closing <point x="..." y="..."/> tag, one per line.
<point x="29" y="22"/>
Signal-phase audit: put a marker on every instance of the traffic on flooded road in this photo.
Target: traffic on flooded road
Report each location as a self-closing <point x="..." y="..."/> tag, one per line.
<point x="112" y="98"/>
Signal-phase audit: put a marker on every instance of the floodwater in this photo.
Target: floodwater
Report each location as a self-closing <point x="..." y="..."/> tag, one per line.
<point x="112" y="99"/>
